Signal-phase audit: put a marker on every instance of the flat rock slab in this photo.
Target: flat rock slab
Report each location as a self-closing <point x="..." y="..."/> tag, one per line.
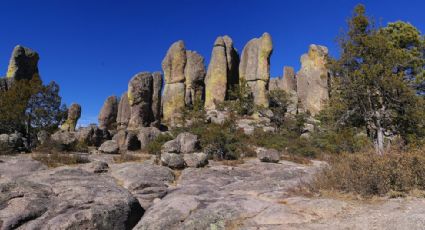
<point x="17" y="166"/>
<point x="66" y="198"/>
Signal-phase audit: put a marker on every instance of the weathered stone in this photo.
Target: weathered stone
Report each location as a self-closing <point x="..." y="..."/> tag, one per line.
<point x="173" y="102"/>
<point x="74" y="113"/>
<point x="96" y="167"/>
<point x="195" y="160"/>
<point x="66" y="198"/>
<point x="42" y="136"/>
<point x="140" y="89"/>
<point x="147" y="135"/>
<point x="13" y="142"/>
<point x="145" y="181"/>
<point x="156" y="98"/>
<point x="222" y="74"/>
<point x="313" y="79"/>
<point x="65" y="138"/>
<point x="188" y="143"/>
<point x="108" y="114"/>
<point x="174" y="63"/>
<point x="172" y="146"/>
<point x="287" y="83"/>
<point x="172" y="160"/>
<point x="109" y="147"/>
<point x="92" y="135"/>
<point x="268" y="155"/>
<point x="124" y="112"/>
<point x="127" y="140"/>
<point x="23" y="64"/>
<point x="194" y="77"/>
<point x="255" y="67"/>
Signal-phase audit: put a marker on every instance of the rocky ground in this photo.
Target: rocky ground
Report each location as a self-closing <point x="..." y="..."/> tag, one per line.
<point x="135" y="195"/>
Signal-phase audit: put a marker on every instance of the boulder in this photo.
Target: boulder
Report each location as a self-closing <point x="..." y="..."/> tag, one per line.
<point x="173" y="65"/>
<point x="108" y="114"/>
<point x="42" y="136"/>
<point x="74" y="113"/>
<point x="96" y="167"/>
<point x="92" y="135"/>
<point x="140" y="89"/>
<point x="255" y="67"/>
<point x="109" y="147"/>
<point x="172" y="160"/>
<point x="66" y="139"/>
<point x="188" y="143"/>
<point x="127" y="140"/>
<point x="195" y="160"/>
<point x="124" y="111"/>
<point x="147" y="135"/>
<point x="222" y="74"/>
<point x="23" y="64"/>
<point x="313" y="80"/>
<point x="172" y="146"/>
<point x="194" y="72"/>
<point x="268" y="155"/>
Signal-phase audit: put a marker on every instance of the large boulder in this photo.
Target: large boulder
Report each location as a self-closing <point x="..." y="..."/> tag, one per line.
<point x="14" y="142"/>
<point x="108" y="114"/>
<point x="194" y="77"/>
<point x="23" y="64"/>
<point x="140" y="89"/>
<point x="66" y="139"/>
<point x="74" y="113"/>
<point x="127" y="140"/>
<point x="147" y="135"/>
<point x="92" y="135"/>
<point x="255" y="67"/>
<point x="268" y="155"/>
<point x="124" y="112"/>
<point x="313" y="80"/>
<point x="109" y="147"/>
<point x="173" y="160"/>
<point x="173" y="65"/>
<point x="195" y="160"/>
<point x="222" y="72"/>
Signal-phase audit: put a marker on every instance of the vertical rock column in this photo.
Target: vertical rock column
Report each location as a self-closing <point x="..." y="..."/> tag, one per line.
<point x="222" y="74"/>
<point x="313" y="79"/>
<point x="255" y="67"/>
<point x="108" y="114"/>
<point x="194" y="77"/>
<point x="123" y="116"/>
<point x="74" y="113"/>
<point x="140" y="89"/>
<point x="173" y="65"/>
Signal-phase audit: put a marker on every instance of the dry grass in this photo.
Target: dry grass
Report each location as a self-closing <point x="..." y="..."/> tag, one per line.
<point x="296" y="159"/>
<point x="59" y="159"/>
<point x="367" y="174"/>
<point x="126" y="157"/>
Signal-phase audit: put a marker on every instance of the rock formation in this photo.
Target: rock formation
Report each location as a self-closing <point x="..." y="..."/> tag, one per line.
<point x="222" y="72"/>
<point x="156" y="98"/>
<point x="255" y="67"/>
<point x="74" y="113"/>
<point x="23" y="64"/>
<point x="140" y="90"/>
<point x="194" y="73"/>
<point x="123" y="116"/>
<point x="313" y="79"/>
<point x="108" y="114"/>
<point x="173" y="65"/>
<point x="287" y="83"/>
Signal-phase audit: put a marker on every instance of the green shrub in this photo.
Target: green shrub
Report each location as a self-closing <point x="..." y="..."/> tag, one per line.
<point x="154" y="147"/>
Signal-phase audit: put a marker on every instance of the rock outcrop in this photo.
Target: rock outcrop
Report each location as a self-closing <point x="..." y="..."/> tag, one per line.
<point x="124" y="111"/>
<point x="74" y="113"/>
<point x="173" y="65"/>
<point x="287" y="83"/>
<point x="313" y="80"/>
<point x="156" y="98"/>
<point x="140" y="98"/>
<point x="255" y="67"/>
<point x="194" y="72"/>
<point x="108" y="114"/>
<point x="23" y="64"/>
<point x="222" y="72"/>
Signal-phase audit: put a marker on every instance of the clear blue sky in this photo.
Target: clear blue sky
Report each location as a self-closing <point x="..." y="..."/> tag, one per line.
<point x="92" y="48"/>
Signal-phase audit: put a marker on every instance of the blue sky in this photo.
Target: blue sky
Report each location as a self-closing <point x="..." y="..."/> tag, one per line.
<point x="92" y="48"/>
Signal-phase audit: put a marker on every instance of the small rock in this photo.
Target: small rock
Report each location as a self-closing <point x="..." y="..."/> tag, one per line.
<point x="172" y="160"/>
<point x="268" y="155"/>
<point x="96" y="167"/>
<point x="188" y="142"/>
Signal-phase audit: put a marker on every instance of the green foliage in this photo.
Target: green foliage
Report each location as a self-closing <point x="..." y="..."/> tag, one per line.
<point x="154" y="147"/>
<point x="278" y="100"/>
<point x="373" y="89"/>
<point x="243" y="100"/>
<point x="60" y="159"/>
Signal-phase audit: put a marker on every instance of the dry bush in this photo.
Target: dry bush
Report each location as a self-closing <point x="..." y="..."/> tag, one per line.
<point x="368" y="174"/>
<point x="125" y="157"/>
<point x="59" y="159"/>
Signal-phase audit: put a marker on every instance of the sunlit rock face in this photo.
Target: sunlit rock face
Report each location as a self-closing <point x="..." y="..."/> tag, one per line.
<point x="313" y="80"/>
<point x="255" y="67"/>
